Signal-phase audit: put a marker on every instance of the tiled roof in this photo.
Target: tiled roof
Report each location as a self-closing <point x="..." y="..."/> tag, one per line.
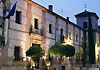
<point x="86" y="13"/>
<point x="55" y="14"/>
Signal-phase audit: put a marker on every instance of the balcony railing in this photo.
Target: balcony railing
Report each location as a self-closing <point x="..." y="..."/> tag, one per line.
<point x="37" y="31"/>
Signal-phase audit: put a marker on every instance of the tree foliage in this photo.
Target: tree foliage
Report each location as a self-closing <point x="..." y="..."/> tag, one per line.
<point x="79" y="53"/>
<point x="62" y="50"/>
<point x="91" y="42"/>
<point x="84" y="49"/>
<point x="68" y="50"/>
<point x="56" y="50"/>
<point x="35" y="51"/>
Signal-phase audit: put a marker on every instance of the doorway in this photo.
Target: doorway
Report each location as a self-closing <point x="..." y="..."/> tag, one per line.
<point x="17" y="53"/>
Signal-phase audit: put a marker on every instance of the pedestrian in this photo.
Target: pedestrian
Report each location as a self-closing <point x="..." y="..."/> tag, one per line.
<point x="32" y="64"/>
<point x="46" y="68"/>
<point x="80" y="68"/>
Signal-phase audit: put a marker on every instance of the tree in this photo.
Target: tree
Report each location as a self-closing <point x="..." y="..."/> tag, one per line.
<point x="79" y="54"/>
<point x="68" y="50"/>
<point x="62" y="50"/>
<point x="91" y="42"/>
<point x="37" y="52"/>
<point x="84" y="49"/>
<point x="56" y="50"/>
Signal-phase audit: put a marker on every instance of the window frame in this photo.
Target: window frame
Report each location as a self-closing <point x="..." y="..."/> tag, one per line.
<point x="70" y="35"/>
<point x="85" y="25"/>
<point x="61" y="34"/>
<point x="36" y="26"/>
<point x="17" y="52"/>
<point x="50" y="28"/>
<point x="18" y="18"/>
<point x="76" y="37"/>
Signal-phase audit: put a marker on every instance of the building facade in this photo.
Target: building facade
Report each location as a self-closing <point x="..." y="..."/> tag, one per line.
<point x="32" y="24"/>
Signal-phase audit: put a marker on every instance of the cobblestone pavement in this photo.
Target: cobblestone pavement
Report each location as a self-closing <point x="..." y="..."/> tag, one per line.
<point x="94" y="67"/>
<point x="86" y="68"/>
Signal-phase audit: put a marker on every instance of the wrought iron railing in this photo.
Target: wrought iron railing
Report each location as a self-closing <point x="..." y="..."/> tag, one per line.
<point x="38" y="32"/>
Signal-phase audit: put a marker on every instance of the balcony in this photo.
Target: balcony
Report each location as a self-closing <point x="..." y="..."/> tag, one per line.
<point x="36" y="35"/>
<point x="37" y="32"/>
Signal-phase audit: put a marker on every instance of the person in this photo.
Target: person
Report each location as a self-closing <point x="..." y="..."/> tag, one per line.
<point x="46" y="68"/>
<point x="32" y="64"/>
<point x="80" y="68"/>
<point x="54" y="68"/>
<point x="28" y="66"/>
<point x="43" y="62"/>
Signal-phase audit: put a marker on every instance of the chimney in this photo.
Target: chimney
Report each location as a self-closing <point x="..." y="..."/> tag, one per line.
<point x="50" y="8"/>
<point x="67" y="18"/>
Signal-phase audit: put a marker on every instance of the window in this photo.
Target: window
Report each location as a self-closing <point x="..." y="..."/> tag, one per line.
<point x="50" y="28"/>
<point x="84" y="24"/>
<point x="36" y="23"/>
<point x="61" y="35"/>
<point x="18" y="17"/>
<point x="70" y="35"/>
<point x="17" y="53"/>
<point x="76" y="37"/>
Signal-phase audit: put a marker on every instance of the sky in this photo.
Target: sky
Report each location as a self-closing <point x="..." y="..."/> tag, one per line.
<point x="69" y="8"/>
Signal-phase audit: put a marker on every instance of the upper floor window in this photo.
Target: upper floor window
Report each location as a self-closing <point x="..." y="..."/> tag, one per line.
<point x="35" y="23"/>
<point x="70" y="35"/>
<point x="18" y="17"/>
<point x="50" y="28"/>
<point x="76" y="37"/>
<point x="61" y="35"/>
<point x="84" y="24"/>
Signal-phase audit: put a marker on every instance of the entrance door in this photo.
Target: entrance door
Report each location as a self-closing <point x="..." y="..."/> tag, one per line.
<point x="17" y="53"/>
<point x="35" y="44"/>
<point x="63" y="67"/>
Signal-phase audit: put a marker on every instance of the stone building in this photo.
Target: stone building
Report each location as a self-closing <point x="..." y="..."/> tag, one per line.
<point x="33" y="24"/>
